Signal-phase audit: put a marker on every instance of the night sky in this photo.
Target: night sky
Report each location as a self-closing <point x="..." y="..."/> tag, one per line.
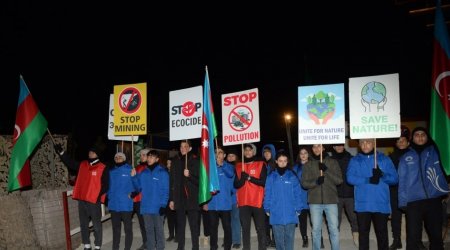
<point x="71" y="55"/>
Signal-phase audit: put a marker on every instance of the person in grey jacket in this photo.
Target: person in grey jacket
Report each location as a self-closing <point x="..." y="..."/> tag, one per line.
<point x="321" y="175"/>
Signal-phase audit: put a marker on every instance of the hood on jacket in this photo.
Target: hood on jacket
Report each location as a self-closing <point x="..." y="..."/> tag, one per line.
<point x="271" y="147"/>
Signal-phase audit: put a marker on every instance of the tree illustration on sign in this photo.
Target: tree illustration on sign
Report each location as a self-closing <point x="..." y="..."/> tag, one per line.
<point x="321" y="106"/>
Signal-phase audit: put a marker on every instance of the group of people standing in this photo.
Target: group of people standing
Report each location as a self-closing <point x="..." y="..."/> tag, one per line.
<point x="279" y="195"/>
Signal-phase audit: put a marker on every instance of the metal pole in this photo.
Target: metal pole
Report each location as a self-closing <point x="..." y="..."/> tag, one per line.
<point x="288" y="133"/>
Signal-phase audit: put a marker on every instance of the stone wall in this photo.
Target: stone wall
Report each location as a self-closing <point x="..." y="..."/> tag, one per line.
<point x="47" y="170"/>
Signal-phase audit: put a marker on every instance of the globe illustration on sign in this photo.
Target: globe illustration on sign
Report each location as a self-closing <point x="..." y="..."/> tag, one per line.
<point x="373" y="93"/>
<point x="321" y="106"/>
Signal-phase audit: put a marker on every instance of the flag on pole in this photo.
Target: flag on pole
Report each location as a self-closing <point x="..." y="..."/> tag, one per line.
<point x="440" y="94"/>
<point x="29" y="129"/>
<point x="209" y="180"/>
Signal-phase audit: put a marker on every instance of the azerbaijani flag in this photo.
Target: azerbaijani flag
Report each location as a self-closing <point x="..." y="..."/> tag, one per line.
<point x="208" y="179"/>
<point x="440" y="95"/>
<point x="29" y="129"/>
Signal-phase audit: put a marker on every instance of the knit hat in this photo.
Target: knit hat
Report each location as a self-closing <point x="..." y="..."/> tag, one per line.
<point x="405" y="132"/>
<point x="231" y="150"/>
<point x="95" y="150"/>
<point x="252" y="146"/>
<point x="122" y="155"/>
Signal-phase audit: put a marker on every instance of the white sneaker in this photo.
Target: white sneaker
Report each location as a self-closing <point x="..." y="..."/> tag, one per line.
<point x="205" y="241"/>
<point x="356" y="238"/>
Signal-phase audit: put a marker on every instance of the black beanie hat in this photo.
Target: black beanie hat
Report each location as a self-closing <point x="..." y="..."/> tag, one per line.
<point x="95" y="150"/>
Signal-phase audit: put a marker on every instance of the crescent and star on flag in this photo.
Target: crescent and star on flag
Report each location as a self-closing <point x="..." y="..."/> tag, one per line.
<point x="205" y="142"/>
<point x="438" y="80"/>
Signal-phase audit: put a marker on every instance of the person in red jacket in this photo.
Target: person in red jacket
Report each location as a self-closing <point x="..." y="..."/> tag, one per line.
<point x="91" y="185"/>
<point x="249" y="181"/>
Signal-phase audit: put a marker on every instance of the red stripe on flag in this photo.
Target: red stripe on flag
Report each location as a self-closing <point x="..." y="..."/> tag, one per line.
<point x="24" y="176"/>
<point x="25" y="114"/>
<point x="441" y="85"/>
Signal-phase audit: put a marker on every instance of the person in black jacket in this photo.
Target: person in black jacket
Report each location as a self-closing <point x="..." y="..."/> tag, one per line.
<point x="183" y="193"/>
<point x="345" y="190"/>
<point x="91" y="185"/>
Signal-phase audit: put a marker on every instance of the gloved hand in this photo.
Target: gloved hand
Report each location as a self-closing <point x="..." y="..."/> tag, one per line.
<point x="244" y="176"/>
<point x="162" y="211"/>
<point x="322" y="166"/>
<point x="298" y="213"/>
<point x="376" y="175"/>
<point x="58" y="149"/>
<point x="133" y="194"/>
<point x="320" y="180"/>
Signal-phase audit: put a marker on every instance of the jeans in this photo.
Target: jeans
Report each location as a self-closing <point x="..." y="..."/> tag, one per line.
<point x="235" y="225"/>
<point x="137" y="211"/>
<point x="154" y="227"/>
<point x="284" y="236"/>
<point x="331" y="212"/>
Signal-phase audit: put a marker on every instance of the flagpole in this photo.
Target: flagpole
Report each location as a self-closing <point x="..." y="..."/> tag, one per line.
<point x="321" y="158"/>
<point x="375" y="152"/>
<point x="51" y="136"/>
<point x="185" y="159"/>
<point x="242" y="154"/>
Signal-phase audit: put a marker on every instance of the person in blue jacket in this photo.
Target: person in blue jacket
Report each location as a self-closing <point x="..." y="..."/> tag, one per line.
<point x="282" y="202"/>
<point x="371" y="177"/>
<point x="120" y="203"/>
<point x="220" y="204"/>
<point x="302" y="159"/>
<point x="153" y="183"/>
<point x="421" y="188"/>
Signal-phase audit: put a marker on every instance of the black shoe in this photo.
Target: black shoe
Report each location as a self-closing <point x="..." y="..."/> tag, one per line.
<point x="397" y="244"/>
<point x="170" y="238"/>
<point x="237" y="246"/>
<point x="305" y="241"/>
<point x="422" y="246"/>
<point x="272" y="244"/>
<point x="141" y="247"/>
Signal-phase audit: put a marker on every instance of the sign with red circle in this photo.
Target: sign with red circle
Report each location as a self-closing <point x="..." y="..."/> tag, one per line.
<point x="240" y="118"/>
<point x="130" y="100"/>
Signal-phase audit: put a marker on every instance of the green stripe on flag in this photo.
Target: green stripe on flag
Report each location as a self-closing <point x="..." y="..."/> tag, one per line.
<point x="204" y="194"/>
<point x="440" y="130"/>
<point x="23" y="148"/>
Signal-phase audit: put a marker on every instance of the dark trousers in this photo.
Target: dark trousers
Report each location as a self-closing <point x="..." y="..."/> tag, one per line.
<point x="428" y="211"/>
<point x="396" y="214"/>
<point x="380" y="225"/>
<point x="171" y="216"/>
<point x="203" y="216"/>
<point x="245" y="214"/>
<point x="268" y="227"/>
<point x="89" y="211"/>
<point x="192" y="216"/>
<point x="116" y="220"/>
<point x="303" y="222"/>
<point x="225" y="217"/>
<point x="137" y="211"/>
<point x="347" y="206"/>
